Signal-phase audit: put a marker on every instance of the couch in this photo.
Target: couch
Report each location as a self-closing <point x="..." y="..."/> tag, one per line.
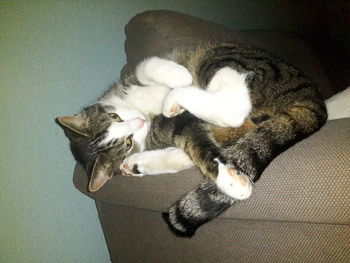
<point x="300" y="208"/>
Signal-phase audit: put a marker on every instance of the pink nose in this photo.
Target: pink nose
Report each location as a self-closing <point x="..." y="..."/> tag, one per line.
<point x="137" y="123"/>
<point x="142" y="121"/>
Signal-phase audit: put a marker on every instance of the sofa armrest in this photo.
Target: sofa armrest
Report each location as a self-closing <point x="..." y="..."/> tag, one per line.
<point x="309" y="182"/>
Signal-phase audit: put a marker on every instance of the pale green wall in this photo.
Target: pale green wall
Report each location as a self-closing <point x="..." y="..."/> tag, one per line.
<point x="56" y="57"/>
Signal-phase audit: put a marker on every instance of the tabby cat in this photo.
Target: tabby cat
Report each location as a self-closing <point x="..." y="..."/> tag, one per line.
<point x="227" y="109"/>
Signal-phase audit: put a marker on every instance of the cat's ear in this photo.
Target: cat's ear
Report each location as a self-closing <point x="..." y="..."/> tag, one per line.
<point x="73" y="125"/>
<point x="100" y="174"/>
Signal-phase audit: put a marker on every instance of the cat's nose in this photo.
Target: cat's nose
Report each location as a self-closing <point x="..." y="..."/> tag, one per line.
<point x="141" y="121"/>
<point x="137" y="123"/>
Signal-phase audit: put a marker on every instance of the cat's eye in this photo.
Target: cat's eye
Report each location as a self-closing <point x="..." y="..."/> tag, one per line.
<point x="115" y="117"/>
<point x="128" y="142"/>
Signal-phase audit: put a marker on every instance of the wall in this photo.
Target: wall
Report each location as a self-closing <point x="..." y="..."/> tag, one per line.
<point x="55" y="58"/>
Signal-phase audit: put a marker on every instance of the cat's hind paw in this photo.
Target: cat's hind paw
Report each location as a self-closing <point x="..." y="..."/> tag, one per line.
<point x="235" y="185"/>
<point x="165" y="72"/>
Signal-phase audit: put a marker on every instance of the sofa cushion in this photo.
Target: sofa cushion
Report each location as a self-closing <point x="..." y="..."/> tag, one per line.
<point x="307" y="183"/>
<point x="338" y="106"/>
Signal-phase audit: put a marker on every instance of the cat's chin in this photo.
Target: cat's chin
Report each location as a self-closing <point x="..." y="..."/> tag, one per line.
<point x="141" y="134"/>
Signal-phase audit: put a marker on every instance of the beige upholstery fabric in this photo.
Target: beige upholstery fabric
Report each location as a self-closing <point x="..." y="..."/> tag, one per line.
<point x="139" y="236"/>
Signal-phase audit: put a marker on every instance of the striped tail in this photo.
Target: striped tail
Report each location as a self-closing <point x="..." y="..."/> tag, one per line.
<point x="199" y="206"/>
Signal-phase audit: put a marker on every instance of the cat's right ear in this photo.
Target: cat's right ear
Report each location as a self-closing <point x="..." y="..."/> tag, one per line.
<point x="73" y="125"/>
<point x="100" y="174"/>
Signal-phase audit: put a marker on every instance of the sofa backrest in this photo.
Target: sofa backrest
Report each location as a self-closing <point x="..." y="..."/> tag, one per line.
<point x="154" y="32"/>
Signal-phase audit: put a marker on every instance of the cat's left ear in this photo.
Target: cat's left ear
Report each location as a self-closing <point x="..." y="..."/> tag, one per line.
<point x="100" y="174"/>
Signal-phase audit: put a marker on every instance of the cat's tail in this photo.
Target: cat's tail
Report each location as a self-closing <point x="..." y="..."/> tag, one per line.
<point x="199" y="206"/>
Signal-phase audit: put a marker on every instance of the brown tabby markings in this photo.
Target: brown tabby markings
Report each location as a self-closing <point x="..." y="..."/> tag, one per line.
<point x="225" y="135"/>
<point x="286" y="109"/>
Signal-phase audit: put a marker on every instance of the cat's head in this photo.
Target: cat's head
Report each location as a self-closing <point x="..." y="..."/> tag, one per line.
<point x="101" y="137"/>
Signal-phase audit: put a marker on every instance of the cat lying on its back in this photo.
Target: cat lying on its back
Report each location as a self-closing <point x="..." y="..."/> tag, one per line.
<point x="232" y="109"/>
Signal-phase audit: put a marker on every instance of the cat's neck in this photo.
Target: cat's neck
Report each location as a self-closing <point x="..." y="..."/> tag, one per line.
<point x="147" y="100"/>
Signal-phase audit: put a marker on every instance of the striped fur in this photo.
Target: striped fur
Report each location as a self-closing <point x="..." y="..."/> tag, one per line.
<point x="286" y="109"/>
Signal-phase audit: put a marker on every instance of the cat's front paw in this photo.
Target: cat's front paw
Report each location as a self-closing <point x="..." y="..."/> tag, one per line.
<point x="171" y="105"/>
<point x="130" y="167"/>
<point x="127" y="170"/>
<point x="233" y="183"/>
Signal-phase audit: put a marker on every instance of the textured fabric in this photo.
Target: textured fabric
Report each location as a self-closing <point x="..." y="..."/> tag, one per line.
<point x="137" y="235"/>
<point x="310" y="182"/>
<point x="338" y="106"/>
<point x="154" y="32"/>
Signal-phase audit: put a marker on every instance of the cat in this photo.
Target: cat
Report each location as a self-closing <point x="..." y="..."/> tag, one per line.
<point x="225" y="108"/>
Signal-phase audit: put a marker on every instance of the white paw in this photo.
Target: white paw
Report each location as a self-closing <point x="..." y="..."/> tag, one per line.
<point x="171" y="105"/>
<point x="166" y="72"/>
<point x="130" y="167"/>
<point x="235" y="185"/>
<point x="173" y="75"/>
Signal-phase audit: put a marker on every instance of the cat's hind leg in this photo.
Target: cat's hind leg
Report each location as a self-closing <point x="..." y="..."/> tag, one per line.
<point x="207" y="201"/>
<point x="155" y="70"/>
<point x="225" y="102"/>
<point x="158" y="76"/>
